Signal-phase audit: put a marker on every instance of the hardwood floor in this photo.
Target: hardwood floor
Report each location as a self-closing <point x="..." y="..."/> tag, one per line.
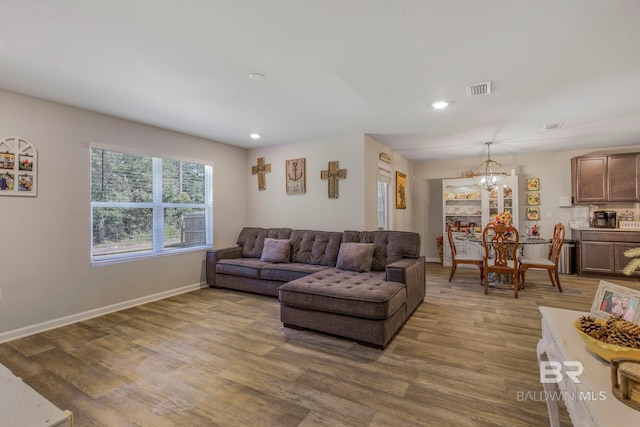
<point x="220" y="358"/>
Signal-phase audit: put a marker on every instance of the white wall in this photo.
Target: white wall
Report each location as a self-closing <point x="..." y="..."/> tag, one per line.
<point x="312" y="210"/>
<point x="400" y="219"/>
<point x="356" y="206"/>
<point x="45" y="270"/>
<point x="553" y="169"/>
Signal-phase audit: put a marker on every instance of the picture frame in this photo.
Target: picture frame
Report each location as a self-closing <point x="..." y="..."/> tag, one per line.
<point x="296" y="176"/>
<point x="401" y="190"/>
<point x="610" y="300"/>
<point x="533" y="214"/>
<point x="18" y="167"/>
<point x="533" y="184"/>
<point x="533" y="199"/>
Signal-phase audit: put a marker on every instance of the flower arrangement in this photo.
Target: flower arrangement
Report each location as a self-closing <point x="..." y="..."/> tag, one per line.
<point x="503" y="218"/>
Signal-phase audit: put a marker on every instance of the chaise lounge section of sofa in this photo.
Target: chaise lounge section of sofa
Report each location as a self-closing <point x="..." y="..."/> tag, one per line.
<point x="357" y="285"/>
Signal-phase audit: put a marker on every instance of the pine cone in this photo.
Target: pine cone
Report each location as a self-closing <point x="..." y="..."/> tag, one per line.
<point x="622" y="339"/>
<point x="628" y="327"/>
<point x="588" y="325"/>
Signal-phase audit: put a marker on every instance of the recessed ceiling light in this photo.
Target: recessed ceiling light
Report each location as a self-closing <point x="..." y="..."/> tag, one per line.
<point x="440" y="105"/>
<point x="257" y="76"/>
<point x="254" y="135"/>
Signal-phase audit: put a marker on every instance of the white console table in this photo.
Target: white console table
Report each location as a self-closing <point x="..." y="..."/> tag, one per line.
<point x="590" y="402"/>
<point x="20" y="405"/>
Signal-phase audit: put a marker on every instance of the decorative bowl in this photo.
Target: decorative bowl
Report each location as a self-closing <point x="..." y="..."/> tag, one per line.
<point x="605" y="350"/>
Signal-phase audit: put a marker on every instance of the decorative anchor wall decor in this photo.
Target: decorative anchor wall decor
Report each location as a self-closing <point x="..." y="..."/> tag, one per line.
<point x="333" y="174"/>
<point x="261" y="169"/>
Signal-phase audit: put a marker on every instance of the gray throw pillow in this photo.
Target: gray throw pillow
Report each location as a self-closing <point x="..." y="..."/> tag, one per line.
<point x="355" y="256"/>
<point x="276" y="250"/>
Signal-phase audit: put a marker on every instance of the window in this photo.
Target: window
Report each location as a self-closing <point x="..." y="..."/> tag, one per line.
<point x="143" y="205"/>
<point x="384" y="179"/>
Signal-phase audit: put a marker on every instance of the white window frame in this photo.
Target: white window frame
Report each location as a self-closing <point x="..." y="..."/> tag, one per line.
<point x="383" y="176"/>
<point x="157" y="206"/>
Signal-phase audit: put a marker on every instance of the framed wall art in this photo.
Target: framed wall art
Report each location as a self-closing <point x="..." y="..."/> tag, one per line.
<point x="18" y="167"/>
<point x="401" y="190"/>
<point x="533" y="214"/>
<point x="296" y="176"/>
<point x="533" y="199"/>
<point x="533" y="184"/>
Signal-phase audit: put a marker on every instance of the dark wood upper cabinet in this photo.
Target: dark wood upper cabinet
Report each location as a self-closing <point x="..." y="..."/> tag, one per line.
<point x="623" y="177"/>
<point x="614" y="178"/>
<point x="589" y="178"/>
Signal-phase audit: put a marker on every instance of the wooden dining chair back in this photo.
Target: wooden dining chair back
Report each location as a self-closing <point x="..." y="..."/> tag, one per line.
<point x="501" y="253"/>
<point x="551" y="262"/>
<point x="462" y="258"/>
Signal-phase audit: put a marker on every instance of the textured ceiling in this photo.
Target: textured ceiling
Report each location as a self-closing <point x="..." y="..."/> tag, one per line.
<point x="340" y="68"/>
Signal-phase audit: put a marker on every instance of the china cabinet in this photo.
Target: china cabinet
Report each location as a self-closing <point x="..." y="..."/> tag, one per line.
<point x="468" y="208"/>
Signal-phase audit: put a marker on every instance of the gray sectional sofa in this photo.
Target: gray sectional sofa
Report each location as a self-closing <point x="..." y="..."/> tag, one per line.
<point x="361" y="285"/>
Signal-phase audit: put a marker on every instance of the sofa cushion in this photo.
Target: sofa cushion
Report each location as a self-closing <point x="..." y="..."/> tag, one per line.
<point x="245" y="267"/>
<point x="289" y="272"/>
<point x="391" y="246"/>
<point x="252" y="239"/>
<point x="315" y="247"/>
<point x="276" y="250"/>
<point x="355" y="256"/>
<point x="332" y="290"/>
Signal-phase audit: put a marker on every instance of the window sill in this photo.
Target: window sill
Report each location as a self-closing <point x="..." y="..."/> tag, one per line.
<point x="119" y="259"/>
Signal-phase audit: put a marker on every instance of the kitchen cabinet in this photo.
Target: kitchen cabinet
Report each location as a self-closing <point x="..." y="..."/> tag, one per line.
<point x="613" y="178"/>
<point x="468" y="208"/>
<point x="589" y="179"/>
<point x="602" y="252"/>
<point x="622" y="174"/>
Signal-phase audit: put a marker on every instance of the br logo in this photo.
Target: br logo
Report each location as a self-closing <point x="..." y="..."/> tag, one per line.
<point x="552" y="371"/>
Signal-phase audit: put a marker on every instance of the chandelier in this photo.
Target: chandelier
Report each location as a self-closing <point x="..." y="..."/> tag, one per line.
<point x="490" y="174"/>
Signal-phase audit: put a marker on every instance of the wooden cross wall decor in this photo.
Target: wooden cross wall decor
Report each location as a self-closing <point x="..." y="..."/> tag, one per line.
<point x="333" y="174"/>
<point x="261" y="169"/>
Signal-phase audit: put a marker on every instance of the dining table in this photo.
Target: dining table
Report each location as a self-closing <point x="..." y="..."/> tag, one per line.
<point x="522" y="243"/>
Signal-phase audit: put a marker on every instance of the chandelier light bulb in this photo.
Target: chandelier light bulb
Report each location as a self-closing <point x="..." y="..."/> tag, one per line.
<point x="490" y="174"/>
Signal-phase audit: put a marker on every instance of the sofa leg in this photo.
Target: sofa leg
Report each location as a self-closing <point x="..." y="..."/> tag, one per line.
<point x="290" y="326"/>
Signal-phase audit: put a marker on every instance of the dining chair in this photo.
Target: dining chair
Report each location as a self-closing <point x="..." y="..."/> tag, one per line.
<point x="550" y="263"/>
<point x="463" y="258"/>
<point x="501" y="244"/>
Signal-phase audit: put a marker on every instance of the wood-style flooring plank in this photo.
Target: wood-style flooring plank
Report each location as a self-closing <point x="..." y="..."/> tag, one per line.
<point x="216" y="357"/>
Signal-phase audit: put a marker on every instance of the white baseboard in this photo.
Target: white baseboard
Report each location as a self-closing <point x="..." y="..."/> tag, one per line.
<point x="67" y="320"/>
<point x="429" y="259"/>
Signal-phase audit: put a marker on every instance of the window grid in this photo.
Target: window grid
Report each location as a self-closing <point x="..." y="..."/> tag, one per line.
<point x="183" y="214"/>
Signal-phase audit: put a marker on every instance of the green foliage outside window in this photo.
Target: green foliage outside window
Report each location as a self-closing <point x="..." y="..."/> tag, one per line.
<point x="123" y="202"/>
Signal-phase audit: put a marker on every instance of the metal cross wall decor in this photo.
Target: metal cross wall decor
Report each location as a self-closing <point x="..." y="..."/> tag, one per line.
<point x="333" y="174"/>
<point x="261" y="169"/>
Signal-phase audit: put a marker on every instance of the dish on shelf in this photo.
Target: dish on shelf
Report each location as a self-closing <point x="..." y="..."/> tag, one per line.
<point x="605" y="350"/>
<point x="473" y="195"/>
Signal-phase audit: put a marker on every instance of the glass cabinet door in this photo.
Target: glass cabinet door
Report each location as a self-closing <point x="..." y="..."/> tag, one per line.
<point x="507" y="198"/>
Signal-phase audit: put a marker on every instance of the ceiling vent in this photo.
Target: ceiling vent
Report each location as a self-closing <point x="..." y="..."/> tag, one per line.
<point x="479" y="89"/>
<point x="552" y="126"/>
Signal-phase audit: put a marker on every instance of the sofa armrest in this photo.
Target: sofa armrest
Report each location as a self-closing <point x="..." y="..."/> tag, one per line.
<point x="409" y="271"/>
<point x="215" y="255"/>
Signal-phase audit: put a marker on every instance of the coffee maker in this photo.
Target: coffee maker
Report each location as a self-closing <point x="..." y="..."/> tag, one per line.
<point x="604" y="219"/>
